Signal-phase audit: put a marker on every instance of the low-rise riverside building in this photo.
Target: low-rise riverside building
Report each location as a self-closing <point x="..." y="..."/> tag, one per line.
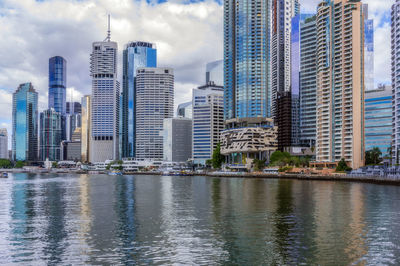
<point x="246" y="139"/>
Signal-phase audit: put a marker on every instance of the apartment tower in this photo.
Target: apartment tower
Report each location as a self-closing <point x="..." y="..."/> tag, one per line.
<point x="340" y="82"/>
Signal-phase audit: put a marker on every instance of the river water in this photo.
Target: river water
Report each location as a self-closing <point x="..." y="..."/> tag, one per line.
<point x="99" y="219"/>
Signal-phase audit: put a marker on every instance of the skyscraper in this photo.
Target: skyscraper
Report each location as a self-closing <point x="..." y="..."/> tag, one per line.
<point x="215" y="72"/>
<point x="185" y="110"/>
<point x="25" y="123"/>
<point x="154" y="103"/>
<point x="283" y="12"/>
<point x="105" y="101"/>
<point x="340" y="82"/>
<point x="378" y="119"/>
<point x="247" y="59"/>
<point x="177" y="137"/>
<point x="135" y="55"/>
<point x="208" y="121"/>
<point x="50" y="135"/>
<point x="396" y="81"/>
<point x="85" y="130"/>
<point x="368" y="50"/>
<point x="308" y="81"/>
<point x="247" y="79"/>
<point x="4" y="144"/>
<point x="57" y="83"/>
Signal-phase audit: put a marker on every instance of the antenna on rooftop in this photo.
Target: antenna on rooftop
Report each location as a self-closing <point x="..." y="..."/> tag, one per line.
<point x="109" y="31"/>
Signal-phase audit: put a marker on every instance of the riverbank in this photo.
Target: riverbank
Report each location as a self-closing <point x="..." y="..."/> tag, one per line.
<point x="342" y="178"/>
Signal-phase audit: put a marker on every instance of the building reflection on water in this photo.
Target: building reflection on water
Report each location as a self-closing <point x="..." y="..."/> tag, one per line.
<point x="163" y="220"/>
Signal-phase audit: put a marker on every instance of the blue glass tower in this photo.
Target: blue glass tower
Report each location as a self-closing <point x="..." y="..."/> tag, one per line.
<point x="247" y="88"/>
<point x="57" y="84"/>
<point x="135" y="55"/>
<point x="25" y="123"/>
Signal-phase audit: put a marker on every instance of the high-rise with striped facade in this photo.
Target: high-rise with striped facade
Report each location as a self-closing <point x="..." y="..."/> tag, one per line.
<point x="340" y="82"/>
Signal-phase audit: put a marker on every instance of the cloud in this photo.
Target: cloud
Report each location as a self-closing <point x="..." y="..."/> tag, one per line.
<point x="187" y="35"/>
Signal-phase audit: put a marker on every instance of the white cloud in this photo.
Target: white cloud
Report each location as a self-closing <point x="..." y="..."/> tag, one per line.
<point x="187" y="37"/>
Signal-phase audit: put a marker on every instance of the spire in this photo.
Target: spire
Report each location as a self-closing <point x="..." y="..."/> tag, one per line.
<point x="109" y="31"/>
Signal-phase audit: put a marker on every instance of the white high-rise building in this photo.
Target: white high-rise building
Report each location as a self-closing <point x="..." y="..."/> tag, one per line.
<point x="208" y="121"/>
<point x="3" y="143"/>
<point x="154" y="103"/>
<point x="105" y="101"/>
<point x="396" y="81"/>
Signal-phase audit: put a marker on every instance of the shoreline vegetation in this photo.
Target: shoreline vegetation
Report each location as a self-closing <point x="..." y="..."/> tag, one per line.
<point x="307" y="177"/>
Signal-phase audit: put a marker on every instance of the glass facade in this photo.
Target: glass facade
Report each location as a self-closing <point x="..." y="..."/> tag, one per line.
<point x="57" y="84"/>
<point x="85" y="130"/>
<point x="368" y="50"/>
<point x="215" y="72"/>
<point x="50" y="135"/>
<point x="378" y="119"/>
<point x="135" y="55"/>
<point x="25" y="123"/>
<point x="246" y="58"/>
<point x="308" y="82"/>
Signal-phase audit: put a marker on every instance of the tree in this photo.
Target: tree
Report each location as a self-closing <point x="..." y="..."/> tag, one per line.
<point x="19" y="164"/>
<point x="342" y="166"/>
<point x="54" y="164"/>
<point x="4" y="163"/>
<point x="259" y="164"/>
<point x="373" y="156"/>
<point x="217" y="157"/>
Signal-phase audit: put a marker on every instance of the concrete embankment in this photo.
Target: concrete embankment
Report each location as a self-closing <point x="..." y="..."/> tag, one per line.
<point x="343" y="178"/>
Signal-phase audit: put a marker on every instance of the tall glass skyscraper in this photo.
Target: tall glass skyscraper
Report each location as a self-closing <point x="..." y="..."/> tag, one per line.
<point x="57" y="84"/>
<point x="25" y="123"/>
<point x="104" y="143"/>
<point x="135" y="55"/>
<point x="247" y="59"/>
<point x="368" y="50"/>
<point x="215" y="72"/>
<point x="396" y="81"/>
<point x="50" y="135"/>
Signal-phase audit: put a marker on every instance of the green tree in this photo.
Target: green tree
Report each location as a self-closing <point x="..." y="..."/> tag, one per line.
<point x="5" y="164"/>
<point x="373" y="156"/>
<point x="259" y="164"/>
<point x="19" y="164"/>
<point x="54" y="164"/>
<point x="342" y="166"/>
<point x="217" y="157"/>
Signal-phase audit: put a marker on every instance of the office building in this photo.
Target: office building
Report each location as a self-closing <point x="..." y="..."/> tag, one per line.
<point x="378" y="119"/>
<point x="135" y="55"/>
<point x="396" y="82"/>
<point x="340" y="83"/>
<point x="308" y="82"/>
<point x="4" y="144"/>
<point x="104" y="143"/>
<point x="57" y="84"/>
<point x="25" y="123"/>
<point x="281" y="68"/>
<point x="73" y="108"/>
<point x="177" y="137"/>
<point x="247" y="77"/>
<point x="368" y="50"/>
<point x="50" y="135"/>
<point x="154" y="103"/>
<point x="85" y="129"/>
<point x="71" y="150"/>
<point x="185" y="110"/>
<point x="215" y="72"/>
<point x="208" y="121"/>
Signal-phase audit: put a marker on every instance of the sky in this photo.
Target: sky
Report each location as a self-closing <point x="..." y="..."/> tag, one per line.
<point x="188" y="34"/>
